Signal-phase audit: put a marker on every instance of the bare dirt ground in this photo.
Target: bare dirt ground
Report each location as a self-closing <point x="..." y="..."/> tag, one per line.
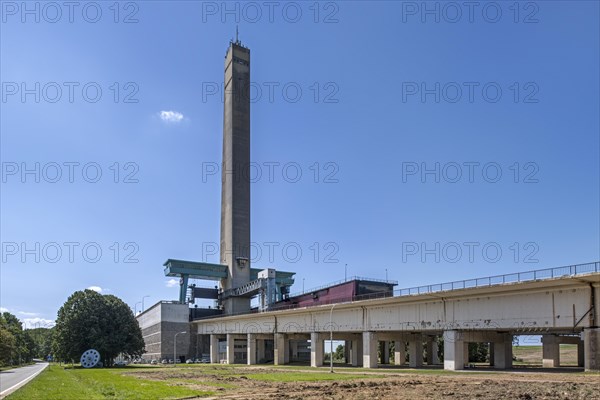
<point x="243" y="383"/>
<point x="419" y="388"/>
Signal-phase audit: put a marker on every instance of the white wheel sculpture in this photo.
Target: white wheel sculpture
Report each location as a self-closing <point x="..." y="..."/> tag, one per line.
<point x="90" y="358"/>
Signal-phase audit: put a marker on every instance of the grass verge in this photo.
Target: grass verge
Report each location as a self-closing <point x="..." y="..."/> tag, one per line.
<point x="58" y="383"/>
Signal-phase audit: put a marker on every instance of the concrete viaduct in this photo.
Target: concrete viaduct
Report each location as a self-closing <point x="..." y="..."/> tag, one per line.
<point x="563" y="308"/>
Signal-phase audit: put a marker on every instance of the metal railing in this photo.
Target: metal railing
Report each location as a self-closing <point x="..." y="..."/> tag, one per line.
<point x="517" y="277"/>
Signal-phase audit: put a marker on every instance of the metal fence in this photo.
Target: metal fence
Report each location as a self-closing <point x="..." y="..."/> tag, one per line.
<point x="517" y="277"/>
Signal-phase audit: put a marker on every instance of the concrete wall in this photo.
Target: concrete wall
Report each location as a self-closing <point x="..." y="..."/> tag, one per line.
<point x="553" y="306"/>
<point x="159" y="324"/>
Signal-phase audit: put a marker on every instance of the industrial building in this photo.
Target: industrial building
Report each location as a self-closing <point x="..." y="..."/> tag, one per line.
<point x="562" y="305"/>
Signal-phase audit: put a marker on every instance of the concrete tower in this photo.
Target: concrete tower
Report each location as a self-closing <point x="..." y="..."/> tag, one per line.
<point x="235" y="191"/>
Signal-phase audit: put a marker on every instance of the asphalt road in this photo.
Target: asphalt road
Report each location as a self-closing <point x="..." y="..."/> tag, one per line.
<point x="12" y="379"/>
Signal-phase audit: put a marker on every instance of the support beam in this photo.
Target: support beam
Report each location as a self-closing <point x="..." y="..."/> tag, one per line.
<point x="415" y="351"/>
<point x="214" y="349"/>
<point x="399" y="353"/>
<point x="230" y="348"/>
<point x="316" y="349"/>
<point x="453" y="351"/>
<point x="251" y="349"/>
<point x="280" y="348"/>
<point x="592" y="349"/>
<point x="183" y="286"/>
<point x="369" y="350"/>
<point x="550" y="351"/>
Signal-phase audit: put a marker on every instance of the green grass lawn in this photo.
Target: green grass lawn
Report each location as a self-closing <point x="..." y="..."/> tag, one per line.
<point x="200" y="380"/>
<point x="138" y="382"/>
<point x="58" y="383"/>
<point x="532" y="355"/>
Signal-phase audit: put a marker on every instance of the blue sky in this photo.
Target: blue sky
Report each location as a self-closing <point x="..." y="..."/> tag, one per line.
<point x="385" y="94"/>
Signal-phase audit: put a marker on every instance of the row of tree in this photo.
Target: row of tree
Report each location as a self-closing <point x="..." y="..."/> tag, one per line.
<point x="18" y="345"/>
<point x="87" y="320"/>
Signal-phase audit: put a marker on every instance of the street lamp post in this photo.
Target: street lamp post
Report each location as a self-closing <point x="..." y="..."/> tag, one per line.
<point x="302" y="285"/>
<point x="331" y="339"/>
<point x="143" y="302"/>
<point x="345" y="272"/>
<point x="135" y="308"/>
<point x="175" y="348"/>
<point x="386" y="276"/>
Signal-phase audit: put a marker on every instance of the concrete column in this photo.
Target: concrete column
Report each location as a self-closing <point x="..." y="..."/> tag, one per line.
<point x="286" y="351"/>
<point x="214" y="349"/>
<point x="354" y="353"/>
<point x="230" y="349"/>
<point x="503" y="353"/>
<point x="550" y="351"/>
<point x="385" y="352"/>
<point x="453" y="351"/>
<point x="591" y="340"/>
<point x="466" y="353"/>
<point x="415" y="351"/>
<point x="294" y="349"/>
<point x="429" y="350"/>
<point x="491" y="354"/>
<point x="260" y="350"/>
<point x="280" y="347"/>
<point x="435" y="360"/>
<point x="359" y="351"/>
<point x="347" y="344"/>
<point x="316" y="349"/>
<point x="399" y="353"/>
<point x="369" y="350"/>
<point x="580" y="354"/>
<point x="251" y="349"/>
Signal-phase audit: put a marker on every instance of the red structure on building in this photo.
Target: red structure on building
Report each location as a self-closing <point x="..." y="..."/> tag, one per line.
<point x="350" y="290"/>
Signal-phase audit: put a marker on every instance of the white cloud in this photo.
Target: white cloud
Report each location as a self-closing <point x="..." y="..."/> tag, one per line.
<point x="38" y="323"/>
<point x="2" y="309"/>
<point x="96" y="289"/>
<point x="172" y="282"/>
<point x="171" y="116"/>
<point x="27" y="314"/>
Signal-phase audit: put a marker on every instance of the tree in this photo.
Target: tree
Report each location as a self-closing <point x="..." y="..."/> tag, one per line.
<point x="89" y="320"/>
<point x="478" y="352"/>
<point x="20" y="351"/>
<point x="42" y="338"/>
<point x="8" y="343"/>
<point x="339" y="353"/>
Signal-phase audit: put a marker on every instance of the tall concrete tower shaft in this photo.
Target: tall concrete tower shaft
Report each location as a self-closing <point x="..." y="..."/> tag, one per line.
<point x="235" y="191"/>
